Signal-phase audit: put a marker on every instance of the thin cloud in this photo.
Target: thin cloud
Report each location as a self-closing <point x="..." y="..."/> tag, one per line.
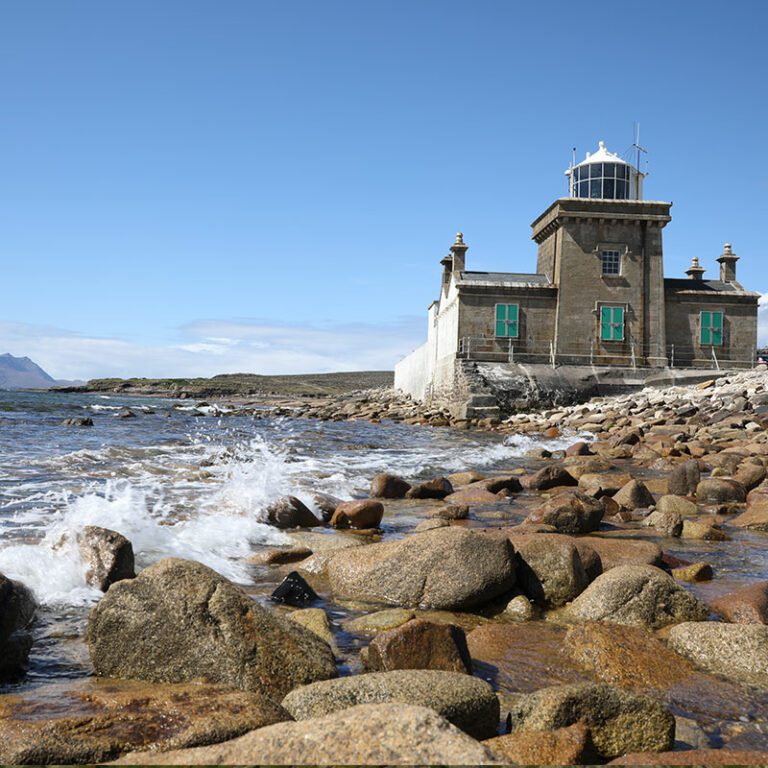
<point x="210" y="347"/>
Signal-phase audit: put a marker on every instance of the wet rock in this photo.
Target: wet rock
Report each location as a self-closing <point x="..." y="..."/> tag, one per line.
<point x="665" y="521"/>
<point x="719" y="490"/>
<point x="450" y="512"/>
<point x="579" y="448"/>
<point x="378" y="621"/>
<point x="125" y="413"/>
<point x="602" y="484"/>
<point x="179" y="621"/>
<point x="615" y="551"/>
<point x="564" y="746"/>
<point x="438" y="488"/>
<point x="326" y="504"/>
<point x="755" y="517"/>
<point x="472" y="494"/>
<point x="637" y="595"/>
<point x="747" y="605"/>
<point x="280" y="555"/>
<point x="447" y="568"/>
<point x="552" y="476"/>
<point x="749" y="475"/>
<point x="618" y="722"/>
<point x="358" y="514"/>
<point x="316" y="621"/>
<point x="678" y="504"/>
<point x="467" y="702"/>
<point x="387" y="486"/>
<point x="705" y="530"/>
<point x="634" y="495"/>
<point x="693" y="573"/>
<point x="733" y="650"/>
<point x="509" y="483"/>
<point x="290" y="512"/>
<point x="84" y="421"/>
<point x="519" y="608"/>
<point x="95" y="721"/>
<point x="293" y="590"/>
<point x="697" y="757"/>
<point x="465" y="478"/>
<point x="108" y="556"/>
<point x="571" y="512"/>
<point x="549" y="568"/>
<point x="17" y="612"/>
<point x="419" y="644"/>
<point x="370" y="734"/>
<point x="430" y="524"/>
<point x="684" y="478"/>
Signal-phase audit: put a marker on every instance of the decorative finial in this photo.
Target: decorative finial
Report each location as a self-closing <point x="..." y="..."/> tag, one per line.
<point x="601" y="144"/>
<point x="459" y="238"/>
<point x="695" y="261"/>
<point x="727" y="248"/>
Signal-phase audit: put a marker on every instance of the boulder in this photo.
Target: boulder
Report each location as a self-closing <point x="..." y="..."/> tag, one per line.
<point x="326" y="504"/>
<point x="467" y="702"/>
<point x="509" y="483"/>
<point x="716" y="490"/>
<point x="358" y="514"/>
<point x="549" y="568"/>
<point x="179" y="621"/>
<point x="634" y="495"/>
<point x="519" y="608"/>
<point x="756" y="515"/>
<point x="438" y="488"/>
<point x="446" y="568"/>
<point x="564" y="746"/>
<point x="316" y="621"/>
<point x="387" y="486"/>
<point x="693" y="573"/>
<point x="290" y="512"/>
<point x="637" y="595"/>
<point x="293" y="590"/>
<point x="83" y="421"/>
<point x="450" y="512"/>
<point x="571" y="512"/>
<point x="108" y="556"/>
<point x="678" y="504"/>
<point x="465" y="478"/>
<point x="666" y="522"/>
<point x="602" y="483"/>
<point x="475" y="493"/>
<point x="580" y="448"/>
<point x="614" y="551"/>
<point x="618" y="721"/>
<point x="552" y="476"/>
<point x="370" y="734"/>
<point x="87" y="722"/>
<point x="749" y="474"/>
<point x="733" y="650"/>
<point x="430" y="524"/>
<point x="379" y="621"/>
<point x="684" y="478"/>
<point x="705" y="530"/>
<point x="419" y="644"/>
<point x="747" y="605"/>
<point x="17" y="611"/>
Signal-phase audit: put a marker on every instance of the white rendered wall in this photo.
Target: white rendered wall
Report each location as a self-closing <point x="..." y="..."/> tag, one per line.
<point x="413" y="372"/>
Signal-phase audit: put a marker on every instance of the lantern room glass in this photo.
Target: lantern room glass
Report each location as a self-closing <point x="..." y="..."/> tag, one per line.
<point x="606" y="181"/>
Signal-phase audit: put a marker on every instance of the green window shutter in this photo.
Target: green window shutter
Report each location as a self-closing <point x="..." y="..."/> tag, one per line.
<point x="705" y="325"/>
<point x="501" y="319"/>
<point x="513" y="316"/>
<point x="605" y="324"/>
<point x="618" y="323"/>
<point x="717" y="328"/>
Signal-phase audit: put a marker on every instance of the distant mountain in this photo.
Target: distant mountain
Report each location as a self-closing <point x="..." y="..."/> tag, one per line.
<point x="22" y="373"/>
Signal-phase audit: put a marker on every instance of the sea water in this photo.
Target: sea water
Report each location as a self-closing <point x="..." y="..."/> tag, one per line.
<point x="183" y="481"/>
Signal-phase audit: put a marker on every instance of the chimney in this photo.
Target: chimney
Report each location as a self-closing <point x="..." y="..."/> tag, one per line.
<point x="728" y="261"/>
<point x="695" y="271"/>
<point x="454" y="262"/>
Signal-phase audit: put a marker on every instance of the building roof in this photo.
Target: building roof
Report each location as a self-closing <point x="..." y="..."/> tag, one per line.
<point x="686" y="285"/>
<point x="601" y="156"/>
<point x="507" y="278"/>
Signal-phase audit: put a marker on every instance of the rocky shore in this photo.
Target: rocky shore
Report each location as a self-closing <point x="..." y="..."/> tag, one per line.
<point x="572" y="610"/>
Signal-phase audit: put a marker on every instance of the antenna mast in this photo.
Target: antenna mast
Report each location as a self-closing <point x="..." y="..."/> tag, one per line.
<point x="639" y="149"/>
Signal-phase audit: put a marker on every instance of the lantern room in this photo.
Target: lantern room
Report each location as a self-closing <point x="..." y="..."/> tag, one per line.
<point x="605" y="176"/>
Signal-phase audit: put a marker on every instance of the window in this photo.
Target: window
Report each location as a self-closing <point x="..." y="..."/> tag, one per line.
<point x="607" y="181"/>
<point x="611" y="262"/>
<point x="507" y="316"/>
<point x="612" y="323"/>
<point x="711" y="328"/>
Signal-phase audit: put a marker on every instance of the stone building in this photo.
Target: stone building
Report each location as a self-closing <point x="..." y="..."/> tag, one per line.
<point x="598" y="297"/>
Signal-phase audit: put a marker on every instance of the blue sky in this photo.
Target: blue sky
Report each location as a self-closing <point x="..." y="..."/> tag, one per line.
<point x="205" y="187"/>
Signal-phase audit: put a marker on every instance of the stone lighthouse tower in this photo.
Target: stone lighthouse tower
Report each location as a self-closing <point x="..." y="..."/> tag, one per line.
<point x="602" y="248"/>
